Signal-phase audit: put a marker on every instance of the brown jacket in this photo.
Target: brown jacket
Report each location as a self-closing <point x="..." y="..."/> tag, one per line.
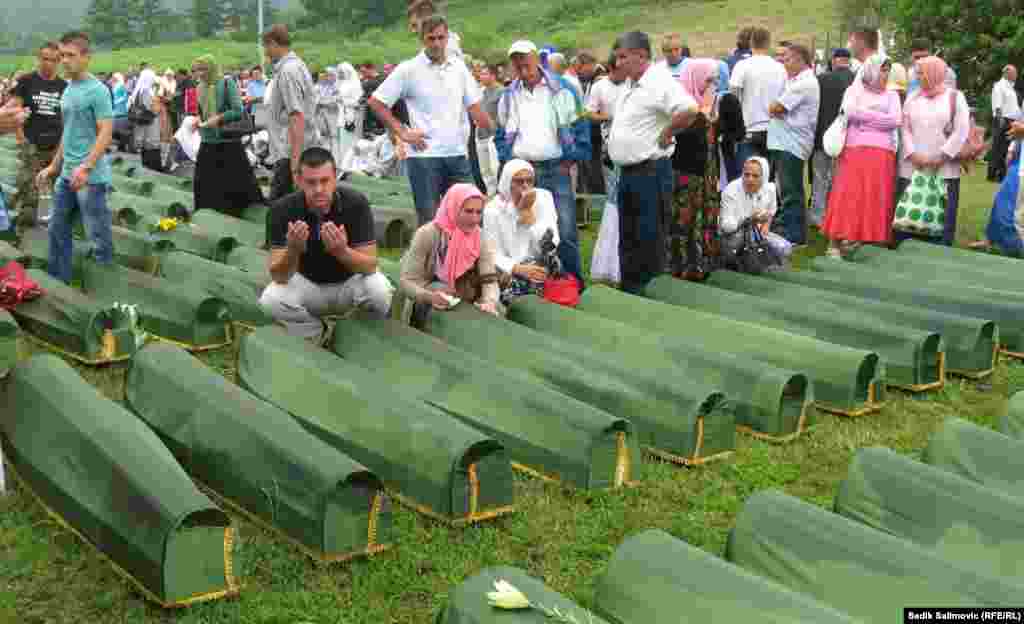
<point x="419" y="270"/>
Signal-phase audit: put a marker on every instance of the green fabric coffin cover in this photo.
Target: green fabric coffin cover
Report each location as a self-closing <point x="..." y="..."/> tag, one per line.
<point x="844" y="378"/>
<point x="249" y="259"/>
<point x="187" y="237"/>
<point x="978" y="454"/>
<point x="766" y="400"/>
<point x="1012" y="422"/>
<point x="970" y="342"/>
<point x="256" y="213"/>
<point x="148" y="188"/>
<point x="183" y="313"/>
<point x="131" y="249"/>
<point x="544" y="430"/>
<point x="467" y="603"/>
<point x="132" y="168"/>
<point x="10" y="253"/>
<point x="956" y="519"/>
<point x="258" y="457"/>
<point x="128" y="209"/>
<point x="654" y="578"/>
<point x="868" y="574"/>
<point x="1002" y="307"/>
<point x="8" y="342"/>
<point x="80" y="327"/>
<point x="437" y="464"/>
<point x="681" y="419"/>
<point x="945" y="268"/>
<point x="98" y="468"/>
<point x="240" y="290"/>
<point x="393" y="227"/>
<point x="963" y="256"/>
<point x="912" y="356"/>
<point x="222" y="225"/>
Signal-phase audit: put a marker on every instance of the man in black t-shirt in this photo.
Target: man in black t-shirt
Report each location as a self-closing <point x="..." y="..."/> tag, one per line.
<point x="40" y="92"/>
<point x="323" y="252"/>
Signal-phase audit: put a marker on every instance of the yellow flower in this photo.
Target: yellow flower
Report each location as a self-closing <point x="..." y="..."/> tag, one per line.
<point x="167" y="224"/>
<point x="507" y="596"/>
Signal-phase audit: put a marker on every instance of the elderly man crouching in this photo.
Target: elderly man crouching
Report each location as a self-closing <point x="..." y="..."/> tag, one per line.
<point x="653" y="108"/>
<point x="323" y="252"/>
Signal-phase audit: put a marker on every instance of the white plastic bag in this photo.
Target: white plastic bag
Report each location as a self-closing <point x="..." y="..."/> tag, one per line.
<point x="834" y="139"/>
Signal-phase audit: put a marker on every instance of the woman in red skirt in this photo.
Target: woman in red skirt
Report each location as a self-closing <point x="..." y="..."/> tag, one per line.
<point x="862" y="200"/>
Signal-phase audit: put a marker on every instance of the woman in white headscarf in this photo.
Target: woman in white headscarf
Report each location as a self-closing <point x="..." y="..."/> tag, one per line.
<point x="328" y="111"/>
<point x="350" y="92"/>
<point x="517" y="221"/>
<point x="147" y="136"/>
<point x="750" y="198"/>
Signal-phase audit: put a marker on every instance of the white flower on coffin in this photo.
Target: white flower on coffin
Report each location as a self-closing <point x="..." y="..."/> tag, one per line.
<point x="506" y="596"/>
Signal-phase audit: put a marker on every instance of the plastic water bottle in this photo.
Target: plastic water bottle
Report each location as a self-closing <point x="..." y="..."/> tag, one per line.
<point x="44" y="204"/>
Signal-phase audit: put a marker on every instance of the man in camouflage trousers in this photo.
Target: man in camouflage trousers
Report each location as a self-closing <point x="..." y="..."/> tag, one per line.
<point x="40" y="92"/>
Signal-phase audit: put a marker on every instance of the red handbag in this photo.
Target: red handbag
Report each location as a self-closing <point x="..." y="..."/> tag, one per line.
<point x="563" y="290"/>
<point x="15" y="286"/>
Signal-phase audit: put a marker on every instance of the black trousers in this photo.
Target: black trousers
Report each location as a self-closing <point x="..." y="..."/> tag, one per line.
<point x="1000" y="144"/>
<point x="645" y="197"/>
<point x="282" y="183"/>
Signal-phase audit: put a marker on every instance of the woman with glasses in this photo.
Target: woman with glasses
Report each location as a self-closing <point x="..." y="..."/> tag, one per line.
<point x="517" y="220"/>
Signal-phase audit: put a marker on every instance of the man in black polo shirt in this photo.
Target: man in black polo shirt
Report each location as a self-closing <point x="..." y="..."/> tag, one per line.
<point x="323" y="252"/>
<point x="40" y="92"/>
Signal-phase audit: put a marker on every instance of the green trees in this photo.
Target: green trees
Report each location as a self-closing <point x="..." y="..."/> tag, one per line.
<point x="353" y="16"/>
<point x="125" y="23"/>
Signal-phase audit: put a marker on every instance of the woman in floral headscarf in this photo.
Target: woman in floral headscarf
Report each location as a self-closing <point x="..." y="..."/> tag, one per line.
<point x="224" y="179"/>
<point x="449" y="257"/>
<point x="936" y="125"/>
<point x="861" y="203"/>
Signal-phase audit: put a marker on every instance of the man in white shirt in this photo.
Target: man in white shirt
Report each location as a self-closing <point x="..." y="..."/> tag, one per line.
<point x="1005" y="110"/>
<point x="649" y="113"/>
<point x="791" y="139"/>
<point x="604" y="96"/>
<point x="539" y="121"/>
<point x="757" y="82"/>
<point x="437" y="90"/>
<point x="920" y="49"/>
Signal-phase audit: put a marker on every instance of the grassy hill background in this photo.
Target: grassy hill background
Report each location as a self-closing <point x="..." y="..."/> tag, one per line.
<point x="709" y="27"/>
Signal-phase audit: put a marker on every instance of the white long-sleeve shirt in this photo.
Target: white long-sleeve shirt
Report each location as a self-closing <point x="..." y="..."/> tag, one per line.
<point x="512" y="241"/>
<point x="738" y="205"/>
<point x="1004" y="98"/>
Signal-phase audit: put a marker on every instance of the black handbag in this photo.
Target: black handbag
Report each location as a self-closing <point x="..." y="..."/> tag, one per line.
<point x="139" y="115"/>
<point x="754" y="255"/>
<point x="237" y="129"/>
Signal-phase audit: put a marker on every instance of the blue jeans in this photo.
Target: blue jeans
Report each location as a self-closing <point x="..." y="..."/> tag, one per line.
<point x="430" y="178"/>
<point x="645" y="197"/>
<point x="90" y="202"/>
<point x="551" y="178"/>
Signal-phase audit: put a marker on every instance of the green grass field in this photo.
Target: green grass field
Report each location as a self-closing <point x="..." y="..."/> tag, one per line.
<point x="710" y="27"/>
<point x="560" y="535"/>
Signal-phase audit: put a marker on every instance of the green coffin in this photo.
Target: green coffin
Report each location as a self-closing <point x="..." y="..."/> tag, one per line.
<point x="10" y="253"/>
<point x="251" y="260"/>
<point x="222" y="225"/>
<point x="467" y="602"/>
<point x="947" y="267"/>
<point x="680" y="420"/>
<point x="188" y="237"/>
<point x="240" y="290"/>
<point x="978" y="454"/>
<point x="954" y="518"/>
<point x="1012" y="422"/>
<point x="542" y="430"/>
<point x="393" y="227"/>
<point x="256" y="213"/>
<point x="868" y="574"/>
<point x="962" y="256"/>
<point x="437" y="465"/>
<point x="181" y="313"/>
<point x="1002" y="307"/>
<point x="913" y="358"/>
<point x="8" y="342"/>
<point x="258" y="457"/>
<point x="131" y="249"/>
<point x="845" y="379"/>
<point x="654" y="578"/>
<point x="128" y="210"/>
<point x="970" y="343"/>
<point x="108" y="478"/>
<point x="132" y="168"/>
<point x="153" y="190"/>
<point x="77" y="326"/>
<point x="767" y="401"/>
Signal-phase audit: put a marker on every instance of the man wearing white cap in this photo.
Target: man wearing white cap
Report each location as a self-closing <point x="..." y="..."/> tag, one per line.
<point x="541" y="121"/>
<point x="437" y="90"/>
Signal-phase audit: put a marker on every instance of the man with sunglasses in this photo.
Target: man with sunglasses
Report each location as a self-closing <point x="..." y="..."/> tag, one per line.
<point x="40" y="93"/>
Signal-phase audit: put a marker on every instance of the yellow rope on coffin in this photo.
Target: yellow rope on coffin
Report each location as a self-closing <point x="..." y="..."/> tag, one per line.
<point x="870" y="405"/>
<point x="801" y="428"/>
<point x="935" y="385"/>
<point x="693" y="460"/>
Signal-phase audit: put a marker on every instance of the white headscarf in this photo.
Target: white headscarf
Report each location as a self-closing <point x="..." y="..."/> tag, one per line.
<point x="738" y="204"/>
<point x="146" y="81"/>
<point x="511" y="168"/>
<point x="350" y="88"/>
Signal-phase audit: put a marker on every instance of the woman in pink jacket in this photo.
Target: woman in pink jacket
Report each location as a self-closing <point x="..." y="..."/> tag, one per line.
<point x="936" y="125"/>
<point x="861" y="203"/>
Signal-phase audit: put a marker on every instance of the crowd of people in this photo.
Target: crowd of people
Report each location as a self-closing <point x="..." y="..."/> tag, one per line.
<point x="699" y="158"/>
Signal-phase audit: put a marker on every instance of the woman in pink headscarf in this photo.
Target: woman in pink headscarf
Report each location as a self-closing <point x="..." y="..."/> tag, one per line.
<point x="936" y="125"/>
<point x="863" y="196"/>
<point x="449" y="258"/>
<point x="695" y="159"/>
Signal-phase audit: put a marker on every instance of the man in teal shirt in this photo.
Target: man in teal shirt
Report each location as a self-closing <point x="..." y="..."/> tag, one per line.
<point x="81" y="160"/>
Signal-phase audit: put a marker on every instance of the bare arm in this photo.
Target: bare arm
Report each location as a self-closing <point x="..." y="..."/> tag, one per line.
<point x="282" y="264"/>
<point x="296" y="135"/>
<point x="384" y="114"/>
<point x="104" y="134"/>
<point x="680" y="121"/>
<point x="19" y="132"/>
<point x="480" y="117"/>
<point x="362" y="259"/>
